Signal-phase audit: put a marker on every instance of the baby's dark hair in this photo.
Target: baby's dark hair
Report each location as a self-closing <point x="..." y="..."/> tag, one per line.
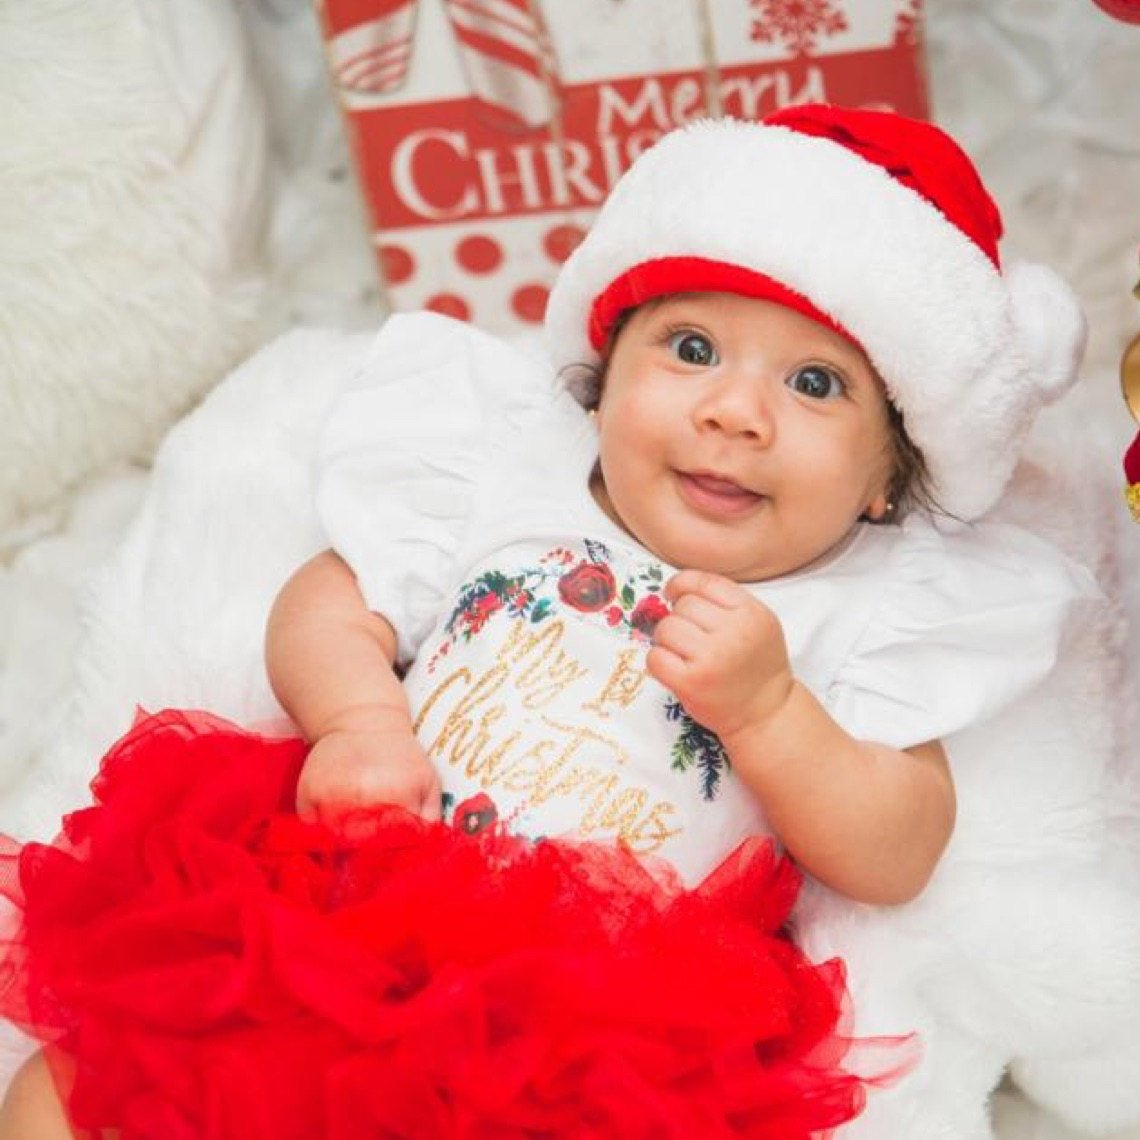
<point x="910" y="488"/>
<point x="585" y="381"/>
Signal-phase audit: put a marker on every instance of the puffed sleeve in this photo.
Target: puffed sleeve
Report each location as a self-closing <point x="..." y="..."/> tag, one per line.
<point x="967" y="623"/>
<point x="405" y="450"/>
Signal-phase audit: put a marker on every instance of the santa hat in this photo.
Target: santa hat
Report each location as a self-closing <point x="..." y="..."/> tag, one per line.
<point x="873" y="223"/>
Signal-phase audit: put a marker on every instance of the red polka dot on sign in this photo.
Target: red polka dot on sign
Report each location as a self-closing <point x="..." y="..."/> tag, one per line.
<point x="479" y="254"/>
<point x="450" y="305"/>
<point x="1127" y="10"/>
<point x="529" y="303"/>
<point x="561" y="242"/>
<point x="397" y="263"/>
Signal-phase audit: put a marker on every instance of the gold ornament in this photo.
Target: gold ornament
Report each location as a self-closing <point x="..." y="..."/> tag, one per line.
<point x="1132" y="498"/>
<point x="1130" y="386"/>
<point x="1130" y="371"/>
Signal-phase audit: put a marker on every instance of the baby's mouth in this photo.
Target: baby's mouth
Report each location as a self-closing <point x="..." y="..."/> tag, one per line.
<point x="715" y="495"/>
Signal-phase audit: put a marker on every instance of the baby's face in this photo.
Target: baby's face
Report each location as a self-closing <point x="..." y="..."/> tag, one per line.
<point x="738" y="436"/>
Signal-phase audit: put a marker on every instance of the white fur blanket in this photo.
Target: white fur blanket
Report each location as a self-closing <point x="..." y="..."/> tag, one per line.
<point x="1024" y="953"/>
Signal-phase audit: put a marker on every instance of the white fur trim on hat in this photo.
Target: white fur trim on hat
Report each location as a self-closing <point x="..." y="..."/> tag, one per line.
<point x="968" y="354"/>
<point x="1050" y="323"/>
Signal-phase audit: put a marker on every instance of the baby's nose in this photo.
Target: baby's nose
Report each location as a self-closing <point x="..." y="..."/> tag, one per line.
<point x="737" y="406"/>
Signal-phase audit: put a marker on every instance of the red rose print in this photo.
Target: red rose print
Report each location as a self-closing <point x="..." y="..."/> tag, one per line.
<point x="480" y="612"/>
<point x="475" y="814"/>
<point x="589" y="587"/>
<point x="647" y="613"/>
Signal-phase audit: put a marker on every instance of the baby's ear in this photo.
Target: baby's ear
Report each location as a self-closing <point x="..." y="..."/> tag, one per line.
<point x="878" y="508"/>
<point x="584" y="383"/>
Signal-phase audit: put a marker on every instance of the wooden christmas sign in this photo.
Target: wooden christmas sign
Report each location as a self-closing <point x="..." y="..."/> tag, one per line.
<point x="487" y="132"/>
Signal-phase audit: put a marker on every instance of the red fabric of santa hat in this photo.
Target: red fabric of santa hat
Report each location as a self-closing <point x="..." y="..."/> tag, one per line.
<point x="873" y="223"/>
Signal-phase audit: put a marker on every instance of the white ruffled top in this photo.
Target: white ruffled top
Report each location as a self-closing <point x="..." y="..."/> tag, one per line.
<point x="453" y="479"/>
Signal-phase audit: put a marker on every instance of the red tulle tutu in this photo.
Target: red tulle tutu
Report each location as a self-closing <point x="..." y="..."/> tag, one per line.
<point x="219" y="969"/>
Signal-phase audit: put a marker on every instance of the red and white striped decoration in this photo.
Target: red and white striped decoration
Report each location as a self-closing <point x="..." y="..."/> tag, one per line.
<point x="507" y="58"/>
<point x="370" y="43"/>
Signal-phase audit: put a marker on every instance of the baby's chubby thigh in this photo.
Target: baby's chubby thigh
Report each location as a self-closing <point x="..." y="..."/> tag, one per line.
<point x="32" y="1110"/>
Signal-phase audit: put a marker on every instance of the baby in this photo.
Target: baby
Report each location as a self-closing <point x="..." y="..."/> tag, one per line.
<point x="714" y="582"/>
<point x="805" y="371"/>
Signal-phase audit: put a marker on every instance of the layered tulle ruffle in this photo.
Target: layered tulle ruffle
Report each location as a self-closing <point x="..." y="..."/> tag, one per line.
<point x="217" y="968"/>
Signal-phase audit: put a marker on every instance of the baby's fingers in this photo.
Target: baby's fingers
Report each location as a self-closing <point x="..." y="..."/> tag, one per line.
<point x="679" y="635"/>
<point x="667" y="669"/>
<point x="431" y="805"/>
<point x="714" y="588"/>
<point x="697" y="609"/>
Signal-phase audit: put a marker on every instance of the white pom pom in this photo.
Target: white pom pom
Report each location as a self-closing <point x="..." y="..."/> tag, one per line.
<point x="1050" y="324"/>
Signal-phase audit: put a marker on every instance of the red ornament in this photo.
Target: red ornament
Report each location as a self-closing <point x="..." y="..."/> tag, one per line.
<point x="1126" y="10"/>
<point x="1132" y="461"/>
<point x="1132" y="477"/>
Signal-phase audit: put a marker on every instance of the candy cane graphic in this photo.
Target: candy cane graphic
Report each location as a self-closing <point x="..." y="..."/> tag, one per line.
<point x="370" y="43"/>
<point x="507" y="58"/>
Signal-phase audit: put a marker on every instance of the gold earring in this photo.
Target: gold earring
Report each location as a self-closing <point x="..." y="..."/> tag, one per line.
<point x="886" y="513"/>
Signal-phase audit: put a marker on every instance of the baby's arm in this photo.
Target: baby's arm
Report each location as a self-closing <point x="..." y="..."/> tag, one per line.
<point x="868" y="820"/>
<point x="330" y="662"/>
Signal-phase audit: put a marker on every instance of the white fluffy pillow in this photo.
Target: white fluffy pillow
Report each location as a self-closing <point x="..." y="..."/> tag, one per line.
<point x="131" y="209"/>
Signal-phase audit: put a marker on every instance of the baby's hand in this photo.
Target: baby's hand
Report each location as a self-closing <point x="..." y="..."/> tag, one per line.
<point x="721" y="653"/>
<point x="351" y="770"/>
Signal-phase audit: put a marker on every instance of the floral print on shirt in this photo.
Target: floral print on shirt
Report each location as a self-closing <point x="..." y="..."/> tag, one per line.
<point x="584" y="581"/>
<point x="586" y="584"/>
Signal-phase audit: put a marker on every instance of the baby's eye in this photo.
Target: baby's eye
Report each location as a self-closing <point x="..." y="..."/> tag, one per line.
<point x="817" y="382"/>
<point x="693" y="348"/>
